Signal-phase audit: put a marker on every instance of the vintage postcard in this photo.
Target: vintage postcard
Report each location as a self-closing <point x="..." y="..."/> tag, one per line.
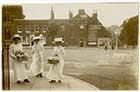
<point x="70" y="46"/>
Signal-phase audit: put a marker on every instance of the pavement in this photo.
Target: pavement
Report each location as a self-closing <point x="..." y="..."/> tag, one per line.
<point x="107" y="70"/>
<point x="68" y="83"/>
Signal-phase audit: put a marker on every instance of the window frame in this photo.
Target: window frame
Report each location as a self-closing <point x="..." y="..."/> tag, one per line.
<point x="28" y="27"/>
<point x="36" y="28"/>
<point x="44" y="28"/>
<point x="19" y="28"/>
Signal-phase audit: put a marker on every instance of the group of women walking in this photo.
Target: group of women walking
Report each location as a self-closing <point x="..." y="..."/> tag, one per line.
<point x="36" y="68"/>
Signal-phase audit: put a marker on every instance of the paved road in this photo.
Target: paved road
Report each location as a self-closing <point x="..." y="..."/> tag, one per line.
<point x="111" y="69"/>
<point x="68" y="83"/>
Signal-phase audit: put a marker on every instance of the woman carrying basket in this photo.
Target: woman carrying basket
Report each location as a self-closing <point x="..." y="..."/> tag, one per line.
<point x="37" y="65"/>
<point x="18" y="64"/>
<point x="55" y="71"/>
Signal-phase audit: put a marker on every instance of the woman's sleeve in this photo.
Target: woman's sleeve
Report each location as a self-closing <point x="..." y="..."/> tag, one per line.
<point x="32" y="50"/>
<point x="63" y="51"/>
<point x="11" y="52"/>
<point x="21" y="47"/>
<point x="41" y="52"/>
<point x="55" y="53"/>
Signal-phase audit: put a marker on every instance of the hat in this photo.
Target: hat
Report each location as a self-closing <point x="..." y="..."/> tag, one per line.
<point x="36" y="38"/>
<point x="41" y="36"/>
<point x="58" y="40"/>
<point x="16" y="36"/>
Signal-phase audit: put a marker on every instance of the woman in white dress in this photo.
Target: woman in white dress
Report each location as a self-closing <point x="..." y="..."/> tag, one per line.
<point x="55" y="71"/>
<point x="19" y="66"/>
<point x="36" y="67"/>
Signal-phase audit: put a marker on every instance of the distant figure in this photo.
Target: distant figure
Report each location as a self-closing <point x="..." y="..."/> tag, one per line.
<point x="32" y="42"/>
<point x="19" y="66"/>
<point x="81" y="43"/>
<point x="106" y="46"/>
<point x="41" y="40"/>
<point x="55" y="71"/>
<point x="37" y="64"/>
<point x="112" y="46"/>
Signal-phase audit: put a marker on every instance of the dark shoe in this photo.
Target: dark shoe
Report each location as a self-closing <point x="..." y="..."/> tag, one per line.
<point x="59" y="81"/>
<point x="18" y="82"/>
<point x="38" y="75"/>
<point x="41" y="75"/>
<point x="26" y="80"/>
<point x="52" y="81"/>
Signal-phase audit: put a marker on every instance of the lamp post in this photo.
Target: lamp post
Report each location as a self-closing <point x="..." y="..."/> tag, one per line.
<point x="116" y="41"/>
<point x="117" y="32"/>
<point x="5" y="65"/>
<point x="82" y="39"/>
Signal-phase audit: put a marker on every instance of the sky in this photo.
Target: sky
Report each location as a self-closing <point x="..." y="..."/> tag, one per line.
<point x="108" y="13"/>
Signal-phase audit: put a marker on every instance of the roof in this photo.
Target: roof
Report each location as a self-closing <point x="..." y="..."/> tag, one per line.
<point x="57" y="21"/>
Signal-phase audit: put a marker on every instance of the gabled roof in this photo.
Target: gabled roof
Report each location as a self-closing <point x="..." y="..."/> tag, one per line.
<point x="81" y="14"/>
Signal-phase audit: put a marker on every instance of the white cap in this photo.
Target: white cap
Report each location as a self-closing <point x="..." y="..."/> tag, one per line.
<point x="37" y="37"/>
<point x="16" y="36"/>
<point x="58" y="40"/>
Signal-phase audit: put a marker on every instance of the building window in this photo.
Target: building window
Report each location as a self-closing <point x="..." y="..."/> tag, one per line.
<point x="19" y="29"/>
<point x="6" y="19"/>
<point x="81" y="26"/>
<point x="43" y="39"/>
<point x="7" y="34"/>
<point x="36" y="28"/>
<point x="45" y="28"/>
<point x="62" y="28"/>
<point x="28" y="29"/>
<point x="28" y="40"/>
<point x="25" y="40"/>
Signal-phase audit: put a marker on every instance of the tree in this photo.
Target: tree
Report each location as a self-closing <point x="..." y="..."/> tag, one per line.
<point x="129" y="34"/>
<point x="103" y="32"/>
<point x="53" y="28"/>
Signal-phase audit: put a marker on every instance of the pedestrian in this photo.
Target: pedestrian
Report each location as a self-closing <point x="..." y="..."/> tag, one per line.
<point x="106" y="46"/>
<point x="55" y="71"/>
<point x="112" y="46"/>
<point x="37" y="65"/>
<point x="18" y="65"/>
<point x="42" y="41"/>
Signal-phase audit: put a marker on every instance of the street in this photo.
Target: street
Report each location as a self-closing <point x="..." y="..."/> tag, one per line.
<point x="107" y="70"/>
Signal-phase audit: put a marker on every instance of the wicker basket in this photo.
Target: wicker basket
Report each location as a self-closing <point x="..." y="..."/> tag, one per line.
<point x="53" y="61"/>
<point x="21" y="56"/>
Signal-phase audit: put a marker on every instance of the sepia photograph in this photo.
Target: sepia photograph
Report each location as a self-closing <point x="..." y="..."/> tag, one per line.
<point x="70" y="46"/>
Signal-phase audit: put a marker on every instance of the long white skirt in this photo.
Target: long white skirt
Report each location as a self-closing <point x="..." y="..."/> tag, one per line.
<point x="36" y="66"/>
<point x="19" y="70"/>
<point x="55" y="71"/>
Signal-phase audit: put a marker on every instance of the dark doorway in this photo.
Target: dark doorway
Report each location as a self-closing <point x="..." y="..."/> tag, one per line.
<point x="81" y="42"/>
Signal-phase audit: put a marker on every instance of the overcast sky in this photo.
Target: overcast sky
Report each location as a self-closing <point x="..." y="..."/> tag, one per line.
<point x="108" y="13"/>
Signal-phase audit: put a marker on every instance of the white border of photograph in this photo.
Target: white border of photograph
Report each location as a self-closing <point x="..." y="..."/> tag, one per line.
<point x="57" y="1"/>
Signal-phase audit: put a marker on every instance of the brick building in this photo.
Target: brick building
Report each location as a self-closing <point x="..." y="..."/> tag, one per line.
<point x="9" y="14"/>
<point x="80" y="30"/>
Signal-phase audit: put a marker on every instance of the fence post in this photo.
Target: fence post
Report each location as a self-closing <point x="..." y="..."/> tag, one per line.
<point x="5" y="67"/>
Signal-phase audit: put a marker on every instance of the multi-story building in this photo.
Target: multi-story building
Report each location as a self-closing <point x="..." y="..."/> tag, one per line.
<point x="80" y="30"/>
<point x="9" y="14"/>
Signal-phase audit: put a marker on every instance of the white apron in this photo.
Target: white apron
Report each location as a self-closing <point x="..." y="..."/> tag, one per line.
<point x="19" y="66"/>
<point x="55" y="71"/>
<point x="37" y="64"/>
